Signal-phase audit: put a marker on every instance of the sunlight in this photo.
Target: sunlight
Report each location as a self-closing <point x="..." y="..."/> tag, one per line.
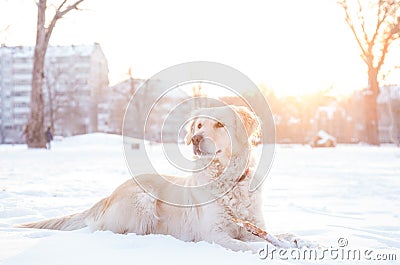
<point x="292" y="50"/>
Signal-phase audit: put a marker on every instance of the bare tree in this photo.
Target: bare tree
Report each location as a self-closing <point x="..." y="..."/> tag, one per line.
<point x="35" y="136"/>
<point x="122" y="95"/>
<point x="64" y="108"/>
<point x="375" y="25"/>
<point x="143" y="92"/>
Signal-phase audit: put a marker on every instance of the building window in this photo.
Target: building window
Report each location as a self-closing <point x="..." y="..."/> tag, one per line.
<point x="21" y="93"/>
<point x="21" y="116"/>
<point x="21" y="105"/>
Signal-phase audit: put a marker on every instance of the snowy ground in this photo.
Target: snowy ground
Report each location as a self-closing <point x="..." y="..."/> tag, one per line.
<point x="349" y="192"/>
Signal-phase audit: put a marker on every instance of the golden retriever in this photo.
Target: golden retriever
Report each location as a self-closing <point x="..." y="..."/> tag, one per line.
<point x="221" y="139"/>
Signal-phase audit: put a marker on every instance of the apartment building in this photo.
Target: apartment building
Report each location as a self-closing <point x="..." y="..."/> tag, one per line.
<point x="75" y="79"/>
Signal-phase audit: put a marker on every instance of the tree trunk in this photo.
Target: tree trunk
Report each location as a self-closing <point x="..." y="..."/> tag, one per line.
<point x="371" y="110"/>
<point x="36" y="138"/>
<point x="50" y="98"/>
<point x="51" y="104"/>
<point x="35" y="135"/>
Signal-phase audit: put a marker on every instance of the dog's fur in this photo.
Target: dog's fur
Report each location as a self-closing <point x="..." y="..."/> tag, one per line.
<point x="129" y="209"/>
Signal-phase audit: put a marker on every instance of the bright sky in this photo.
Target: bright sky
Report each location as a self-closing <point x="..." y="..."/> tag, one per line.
<point x="291" y="46"/>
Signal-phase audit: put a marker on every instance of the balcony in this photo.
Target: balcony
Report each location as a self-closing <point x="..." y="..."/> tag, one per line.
<point x="21" y="110"/>
<point x="22" y="88"/>
<point x="23" y="99"/>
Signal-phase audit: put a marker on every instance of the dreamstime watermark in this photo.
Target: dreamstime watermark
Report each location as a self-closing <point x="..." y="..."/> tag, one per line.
<point x="340" y="252"/>
<point x="148" y="105"/>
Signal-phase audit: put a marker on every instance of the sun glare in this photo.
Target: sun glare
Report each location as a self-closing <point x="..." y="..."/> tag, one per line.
<point x="294" y="51"/>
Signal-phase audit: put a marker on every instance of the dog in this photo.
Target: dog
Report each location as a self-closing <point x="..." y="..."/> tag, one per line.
<point x="222" y="144"/>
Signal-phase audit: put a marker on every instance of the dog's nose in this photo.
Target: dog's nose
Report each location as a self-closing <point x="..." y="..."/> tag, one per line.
<point x="197" y="139"/>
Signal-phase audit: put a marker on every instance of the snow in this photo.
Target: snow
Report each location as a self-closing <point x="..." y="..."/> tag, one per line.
<point x="350" y="192"/>
<point x="324" y="137"/>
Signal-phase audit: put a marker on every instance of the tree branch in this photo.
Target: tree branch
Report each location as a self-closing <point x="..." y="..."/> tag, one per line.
<point x="385" y="48"/>
<point x="59" y="14"/>
<point x="349" y="22"/>
<point x="362" y="22"/>
<point x="381" y="20"/>
<point x="62" y="4"/>
<point x="5" y="29"/>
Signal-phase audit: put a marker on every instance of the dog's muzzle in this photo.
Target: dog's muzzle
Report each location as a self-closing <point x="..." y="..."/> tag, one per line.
<point x="196" y="140"/>
<point x="203" y="146"/>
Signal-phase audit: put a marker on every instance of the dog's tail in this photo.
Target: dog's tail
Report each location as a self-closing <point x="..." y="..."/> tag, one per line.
<point x="73" y="221"/>
<point x="66" y="223"/>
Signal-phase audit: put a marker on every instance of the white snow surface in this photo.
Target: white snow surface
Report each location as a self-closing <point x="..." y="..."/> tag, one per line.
<point x="350" y="192"/>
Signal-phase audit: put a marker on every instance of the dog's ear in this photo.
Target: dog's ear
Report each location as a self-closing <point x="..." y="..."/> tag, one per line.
<point x="249" y="120"/>
<point x="190" y="132"/>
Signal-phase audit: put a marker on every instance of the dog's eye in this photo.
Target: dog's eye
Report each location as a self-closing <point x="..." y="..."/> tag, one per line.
<point x="199" y="125"/>
<point x="219" y="125"/>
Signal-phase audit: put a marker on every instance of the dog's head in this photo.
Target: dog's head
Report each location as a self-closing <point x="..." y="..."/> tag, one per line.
<point x="221" y="131"/>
